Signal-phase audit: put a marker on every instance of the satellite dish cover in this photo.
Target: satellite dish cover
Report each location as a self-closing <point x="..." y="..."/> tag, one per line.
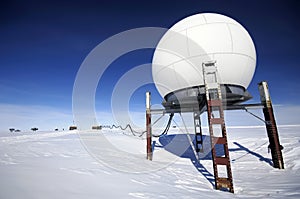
<point x="177" y="60"/>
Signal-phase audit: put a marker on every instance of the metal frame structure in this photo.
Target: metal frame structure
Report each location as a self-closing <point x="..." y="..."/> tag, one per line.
<point x="271" y="126"/>
<point x="148" y="126"/>
<point x="214" y="103"/>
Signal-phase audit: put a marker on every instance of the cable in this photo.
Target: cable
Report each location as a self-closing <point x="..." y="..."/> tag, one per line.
<point x="167" y="127"/>
<point x="133" y="132"/>
<point x="266" y="122"/>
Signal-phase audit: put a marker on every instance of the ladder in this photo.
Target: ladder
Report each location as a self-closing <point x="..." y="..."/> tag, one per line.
<point x="217" y="129"/>
<point x="198" y="132"/>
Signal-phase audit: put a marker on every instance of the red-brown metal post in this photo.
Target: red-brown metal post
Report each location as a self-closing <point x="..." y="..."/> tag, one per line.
<point x="148" y="126"/>
<point x="271" y="126"/>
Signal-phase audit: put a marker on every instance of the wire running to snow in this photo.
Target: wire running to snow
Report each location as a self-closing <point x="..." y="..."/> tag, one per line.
<point x="264" y="121"/>
<point x="140" y="134"/>
<point x="128" y="126"/>
<point x="167" y="127"/>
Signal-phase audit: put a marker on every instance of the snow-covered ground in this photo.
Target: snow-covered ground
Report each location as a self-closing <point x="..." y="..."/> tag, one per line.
<point x="81" y="165"/>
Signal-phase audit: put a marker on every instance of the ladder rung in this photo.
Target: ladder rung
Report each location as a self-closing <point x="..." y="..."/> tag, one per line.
<point x="222" y="160"/>
<point x="211" y="85"/>
<point x="199" y="142"/>
<point x="224" y="182"/>
<point x="216" y="120"/>
<point x="214" y="102"/>
<point x="219" y="140"/>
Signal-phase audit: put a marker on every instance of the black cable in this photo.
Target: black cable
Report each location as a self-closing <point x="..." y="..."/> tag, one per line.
<point x="266" y="122"/>
<point x="167" y="127"/>
<point x="130" y="128"/>
<point x="134" y="133"/>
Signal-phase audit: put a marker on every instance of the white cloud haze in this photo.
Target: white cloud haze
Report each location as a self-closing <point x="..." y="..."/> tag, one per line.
<point x="24" y="117"/>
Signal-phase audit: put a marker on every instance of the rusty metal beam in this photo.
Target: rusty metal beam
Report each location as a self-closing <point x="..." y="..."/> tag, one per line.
<point x="271" y="126"/>
<point x="148" y="126"/>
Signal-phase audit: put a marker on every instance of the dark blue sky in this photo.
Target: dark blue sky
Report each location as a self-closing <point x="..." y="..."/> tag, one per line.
<point x="43" y="43"/>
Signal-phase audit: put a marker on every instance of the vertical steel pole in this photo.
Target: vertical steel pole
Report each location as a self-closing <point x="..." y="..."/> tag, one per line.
<point x="271" y="126"/>
<point x="148" y="126"/>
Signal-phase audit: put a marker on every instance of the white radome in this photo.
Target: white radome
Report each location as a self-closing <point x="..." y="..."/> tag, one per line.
<point x="178" y="57"/>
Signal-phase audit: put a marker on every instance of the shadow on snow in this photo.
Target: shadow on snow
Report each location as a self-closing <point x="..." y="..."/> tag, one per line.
<point x="179" y="145"/>
<point x="243" y="148"/>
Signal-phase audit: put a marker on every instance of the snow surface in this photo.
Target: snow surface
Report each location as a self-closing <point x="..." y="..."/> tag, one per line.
<point x="74" y="165"/>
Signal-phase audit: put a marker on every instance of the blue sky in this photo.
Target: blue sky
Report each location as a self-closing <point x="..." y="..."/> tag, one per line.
<point x="43" y="43"/>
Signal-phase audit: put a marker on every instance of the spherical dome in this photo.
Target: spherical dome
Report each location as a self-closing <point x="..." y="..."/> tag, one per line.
<point x="177" y="60"/>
